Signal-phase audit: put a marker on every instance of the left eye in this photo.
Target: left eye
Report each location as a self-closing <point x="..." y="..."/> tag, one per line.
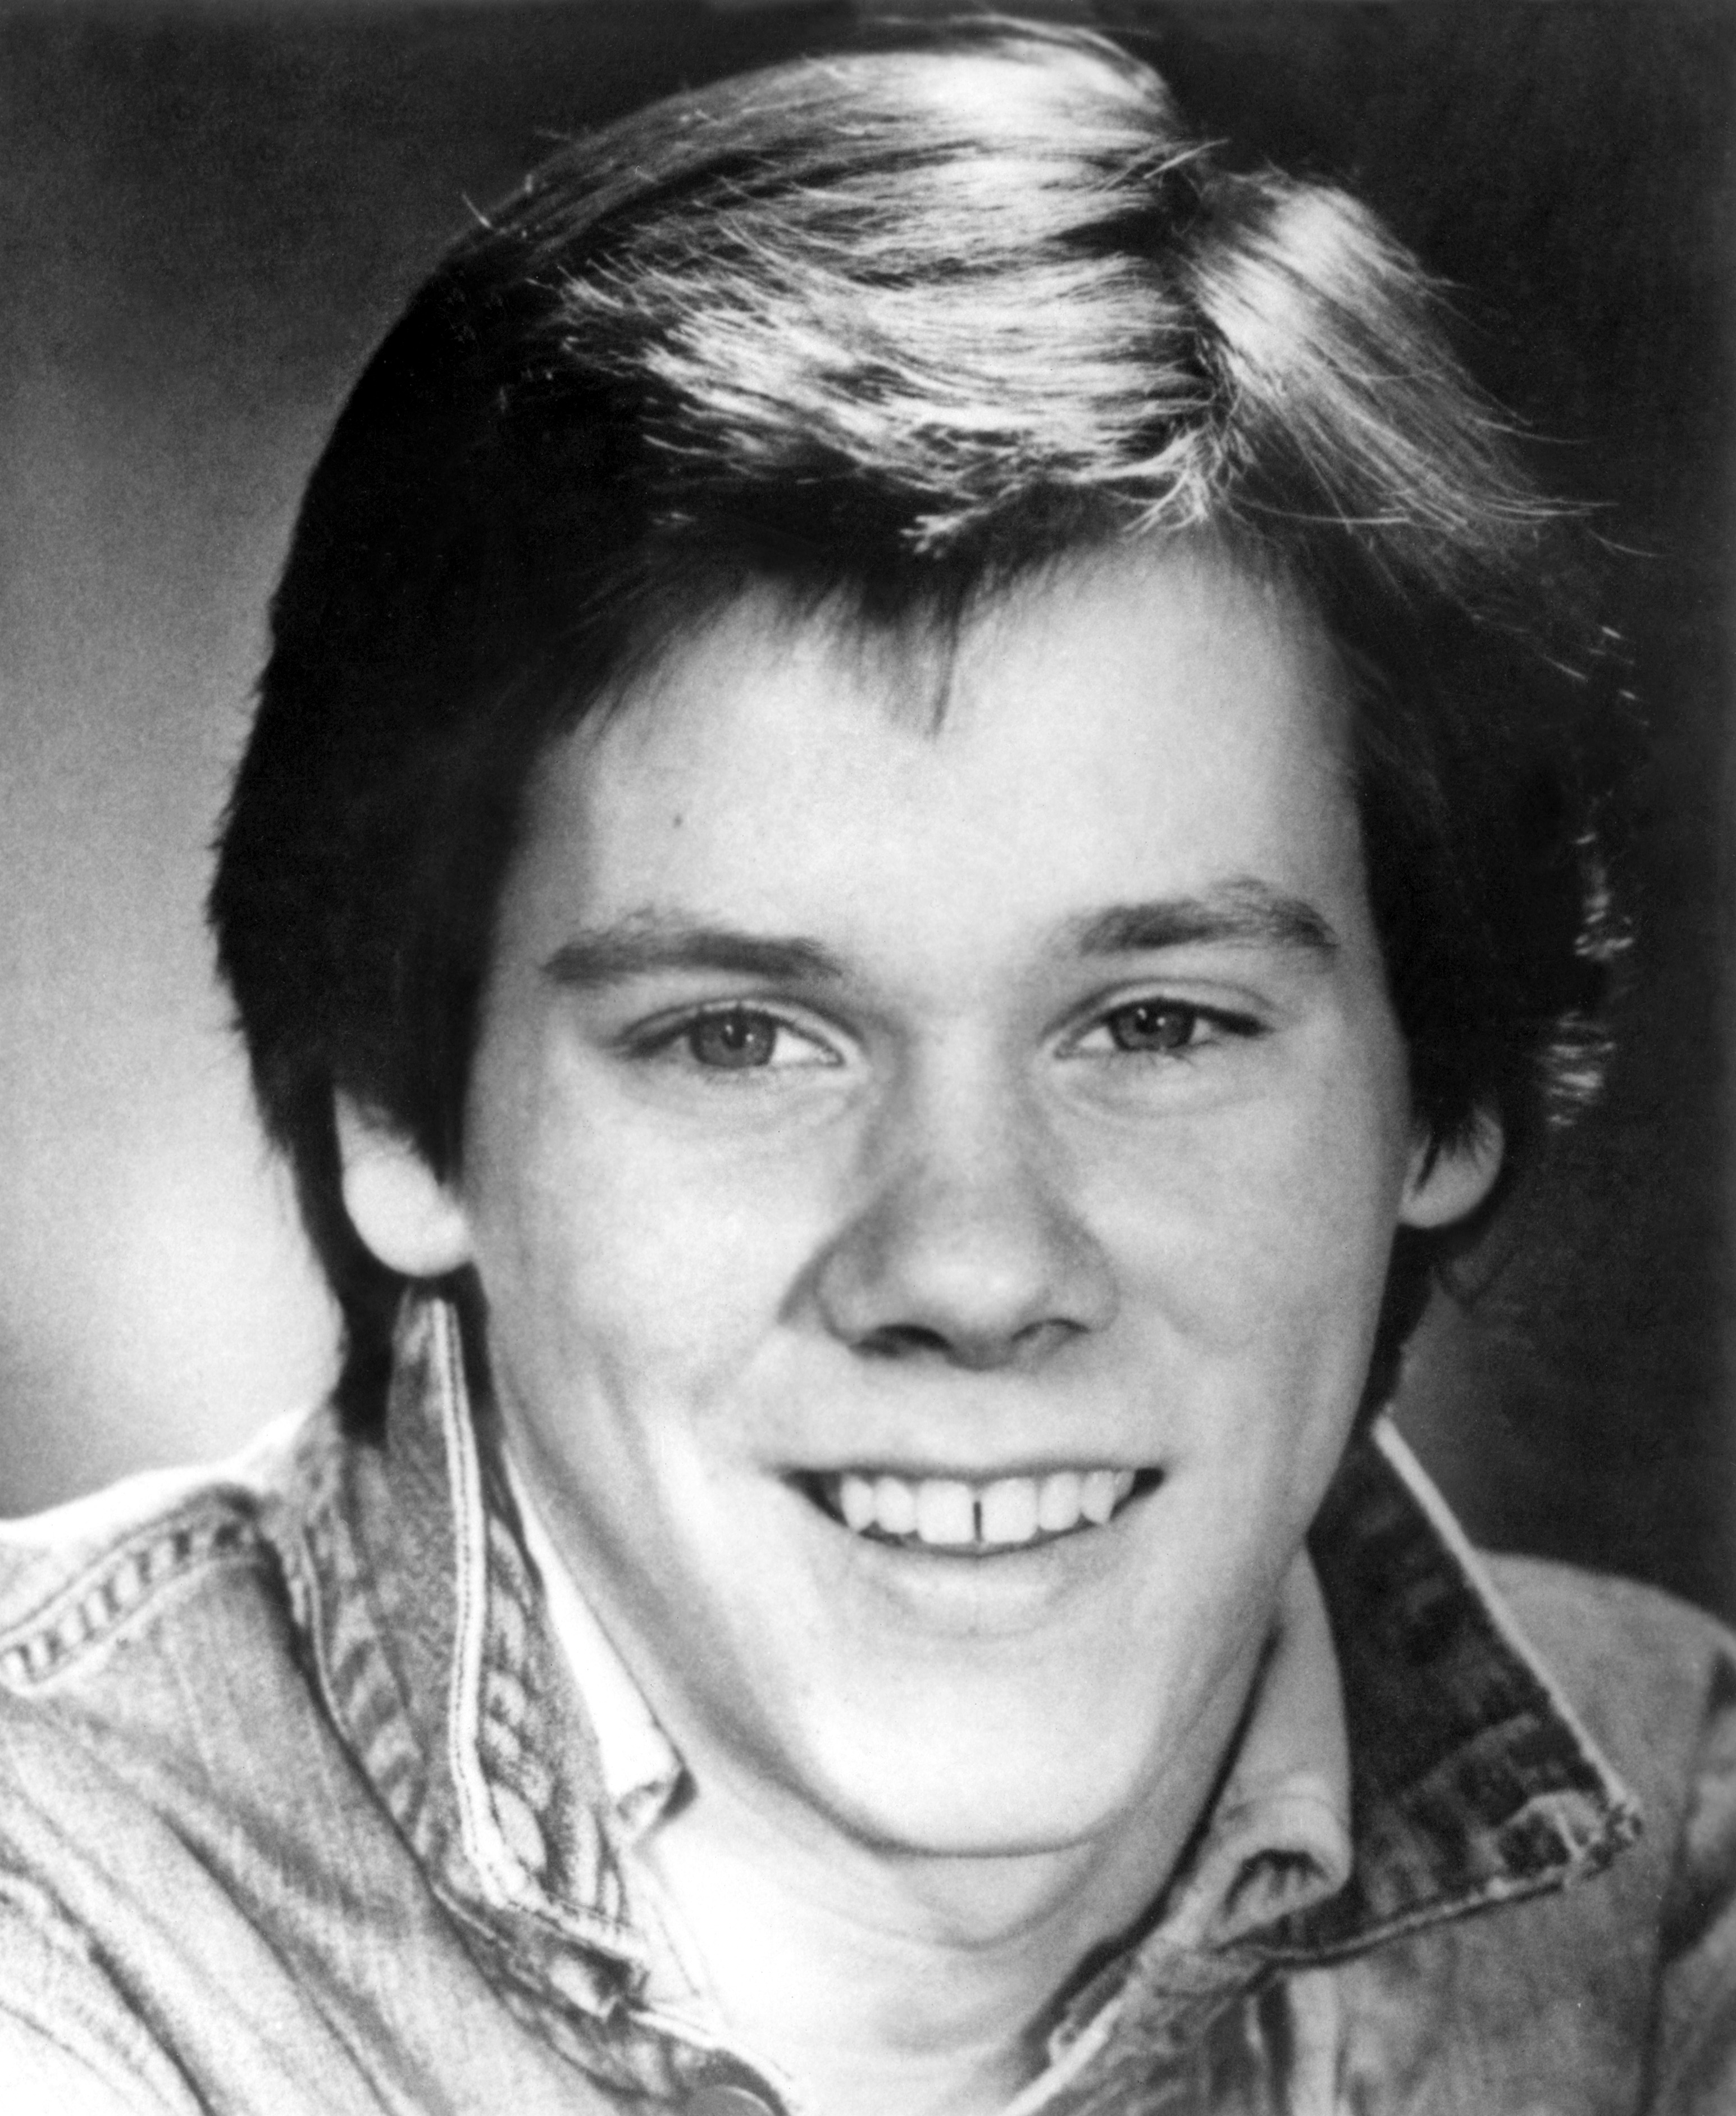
<point x="1154" y="1024"/>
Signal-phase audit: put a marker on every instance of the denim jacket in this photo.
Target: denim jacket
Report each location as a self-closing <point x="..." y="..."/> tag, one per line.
<point x="300" y="1816"/>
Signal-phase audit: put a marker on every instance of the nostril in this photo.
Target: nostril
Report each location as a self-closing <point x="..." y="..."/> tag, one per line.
<point x="902" y="1341"/>
<point x="979" y="1351"/>
<point x="1037" y="1340"/>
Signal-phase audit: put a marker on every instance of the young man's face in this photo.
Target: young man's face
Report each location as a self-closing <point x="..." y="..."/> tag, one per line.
<point x="932" y="1187"/>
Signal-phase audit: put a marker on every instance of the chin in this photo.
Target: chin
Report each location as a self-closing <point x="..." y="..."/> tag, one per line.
<point x="946" y="1800"/>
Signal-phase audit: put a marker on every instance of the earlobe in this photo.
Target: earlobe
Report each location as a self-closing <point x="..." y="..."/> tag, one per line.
<point x="402" y="1210"/>
<point x="1448" y="1181"/>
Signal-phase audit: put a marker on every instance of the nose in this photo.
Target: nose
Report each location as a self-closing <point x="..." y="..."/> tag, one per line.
<point x="965" y="1245"/>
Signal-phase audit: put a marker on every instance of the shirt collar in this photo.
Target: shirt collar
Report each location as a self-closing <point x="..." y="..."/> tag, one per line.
<point x="1276" y="1835"/>
<point x="1470" y="1782"/>
<point x="639" y="1770"/>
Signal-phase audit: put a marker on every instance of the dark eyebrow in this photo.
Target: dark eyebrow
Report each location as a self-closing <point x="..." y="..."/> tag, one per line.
<point x="1247" y="913"/>
<point x="646" y="942"/>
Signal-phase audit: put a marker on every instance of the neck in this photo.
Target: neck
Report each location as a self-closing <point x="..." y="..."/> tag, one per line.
<point x="877" y="1978"/>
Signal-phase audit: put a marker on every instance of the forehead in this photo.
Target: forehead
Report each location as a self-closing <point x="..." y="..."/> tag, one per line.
<point x="1158" y="721"/>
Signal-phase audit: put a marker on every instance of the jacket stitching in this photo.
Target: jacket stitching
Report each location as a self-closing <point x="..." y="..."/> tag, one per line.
<point x="114" y="1589"/>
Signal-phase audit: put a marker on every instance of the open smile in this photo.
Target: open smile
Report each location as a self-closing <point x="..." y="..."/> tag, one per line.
<point x="966" y="1517"/>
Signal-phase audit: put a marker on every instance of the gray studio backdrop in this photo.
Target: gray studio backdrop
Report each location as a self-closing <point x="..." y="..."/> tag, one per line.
<point x="208" y="213"/>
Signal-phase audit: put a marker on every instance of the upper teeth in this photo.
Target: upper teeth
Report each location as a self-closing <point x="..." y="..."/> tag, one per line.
<point x="949" y="1512"/>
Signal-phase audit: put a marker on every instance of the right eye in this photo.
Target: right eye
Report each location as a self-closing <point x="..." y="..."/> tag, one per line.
<point x="738" y="1039"/>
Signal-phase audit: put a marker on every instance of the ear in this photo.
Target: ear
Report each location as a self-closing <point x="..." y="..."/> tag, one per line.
<point x="1447" y="1182"/>
<point x="402" y="1210"/>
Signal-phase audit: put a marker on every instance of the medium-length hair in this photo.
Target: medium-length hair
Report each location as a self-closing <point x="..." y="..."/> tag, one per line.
<point x="889" y="331"/>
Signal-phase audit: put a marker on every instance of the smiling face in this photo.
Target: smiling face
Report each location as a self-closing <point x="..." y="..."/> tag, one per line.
<point x="932" y="1187"/>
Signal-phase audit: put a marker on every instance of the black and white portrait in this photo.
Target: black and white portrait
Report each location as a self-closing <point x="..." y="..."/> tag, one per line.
<point x="865" y="1041"/>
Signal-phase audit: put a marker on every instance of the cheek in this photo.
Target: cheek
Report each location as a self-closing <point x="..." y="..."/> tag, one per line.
<point x="1266" y="1233"/>
<point x="648" y="1267"/>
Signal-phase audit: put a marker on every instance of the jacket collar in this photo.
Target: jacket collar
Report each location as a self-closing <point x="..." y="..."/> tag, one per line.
<point x="425" y="1619"/>
<point x="1471" y="1781"/>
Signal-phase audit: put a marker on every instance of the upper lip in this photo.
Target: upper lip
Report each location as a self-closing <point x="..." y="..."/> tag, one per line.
<point x="977" y="1473"/>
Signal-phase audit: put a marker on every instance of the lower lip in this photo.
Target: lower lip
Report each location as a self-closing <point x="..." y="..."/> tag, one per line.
<point x="986" y="1587"/>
